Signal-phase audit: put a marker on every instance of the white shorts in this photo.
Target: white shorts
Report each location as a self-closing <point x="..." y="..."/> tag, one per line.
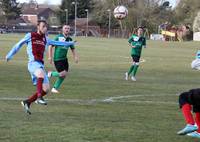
<point x="32" y="67"/>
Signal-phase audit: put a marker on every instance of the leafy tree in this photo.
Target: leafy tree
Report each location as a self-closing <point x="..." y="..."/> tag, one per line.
<point x="186" y="11"/>
<point x="101" y="14"/>
<point x="10" y="8"/>
<point x="82" y="5"/>
<point x="146" y="13"/>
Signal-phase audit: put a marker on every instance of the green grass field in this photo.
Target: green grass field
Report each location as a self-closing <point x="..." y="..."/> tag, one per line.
<point x="96" y="104"/>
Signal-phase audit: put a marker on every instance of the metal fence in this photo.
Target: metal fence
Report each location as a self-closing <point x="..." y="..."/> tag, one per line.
<point x="93" y="31"/>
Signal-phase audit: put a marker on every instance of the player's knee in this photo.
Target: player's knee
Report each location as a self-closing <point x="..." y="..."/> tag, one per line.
<point x="40" y="76"/>
<point x="183" y="99"/>
<point x="39" y="73"/>
<point x="137" y="63"/>
<point x="63" y="74"/>
<point x="133" y="63"/>
<point x="46" y="88"/>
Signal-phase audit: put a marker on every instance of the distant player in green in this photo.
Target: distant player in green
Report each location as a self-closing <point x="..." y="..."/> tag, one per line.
<point x="60" y="59"/>
<point x="137" y="42"/>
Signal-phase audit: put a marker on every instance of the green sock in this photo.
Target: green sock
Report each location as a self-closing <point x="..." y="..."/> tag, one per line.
<point x="131" y="69"/>
<point x="55" y="74"/>
<point x="58" y="82"/>
<point x="135" y="70"/>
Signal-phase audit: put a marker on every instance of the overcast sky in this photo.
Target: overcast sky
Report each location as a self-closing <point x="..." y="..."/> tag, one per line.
<point x="59" y="1"/>
<point x="42" y="1"/>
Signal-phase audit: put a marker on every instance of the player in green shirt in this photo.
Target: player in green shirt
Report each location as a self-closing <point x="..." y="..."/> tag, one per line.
<point x="137" y="42"/>
<point x="60" y="58"/>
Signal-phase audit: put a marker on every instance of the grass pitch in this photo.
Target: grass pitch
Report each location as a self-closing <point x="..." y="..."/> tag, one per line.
<point x="96" y="104"/>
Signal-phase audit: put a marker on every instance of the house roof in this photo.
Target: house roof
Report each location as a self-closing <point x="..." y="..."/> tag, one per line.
<point x="34" y="11"/>
<point x="18" y="21"/>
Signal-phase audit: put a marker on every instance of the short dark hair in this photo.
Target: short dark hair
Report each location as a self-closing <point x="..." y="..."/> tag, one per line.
<point x="41" y="21"/>
<point x="141" y="27"/>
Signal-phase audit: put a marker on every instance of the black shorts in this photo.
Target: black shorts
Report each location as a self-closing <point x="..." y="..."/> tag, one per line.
<point x="191" y="97"/>
<point x="62" y="65"/>
<point x="135" y="58"/>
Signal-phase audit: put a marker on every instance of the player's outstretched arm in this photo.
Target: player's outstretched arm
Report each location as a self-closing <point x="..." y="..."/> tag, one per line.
<point x="17" y="47"/>
<point x="59" y="43"/>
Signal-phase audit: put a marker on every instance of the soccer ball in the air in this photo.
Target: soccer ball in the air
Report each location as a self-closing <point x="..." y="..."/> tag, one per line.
<point x="120" y="12"/>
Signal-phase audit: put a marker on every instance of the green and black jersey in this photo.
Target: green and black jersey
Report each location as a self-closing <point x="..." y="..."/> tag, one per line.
<point x="60" y="52"/>
<point x="138" y="43"/>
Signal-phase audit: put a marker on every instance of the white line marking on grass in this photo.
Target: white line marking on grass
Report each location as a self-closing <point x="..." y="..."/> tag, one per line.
<point x="112" y="99"/>
<point x="149" y="102"/>
<point x="117" y="99"/>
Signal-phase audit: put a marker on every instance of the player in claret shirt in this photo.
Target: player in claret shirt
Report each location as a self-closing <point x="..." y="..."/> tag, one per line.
<point x="137" y="42"/>
<point x="37" y="42"/>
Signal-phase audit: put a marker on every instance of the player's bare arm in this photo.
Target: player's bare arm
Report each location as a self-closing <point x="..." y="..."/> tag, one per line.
<point x="75" y="55"/>
<point x="50" y="54"/>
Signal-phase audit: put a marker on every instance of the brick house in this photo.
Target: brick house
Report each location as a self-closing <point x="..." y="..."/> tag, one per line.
<point x="33" y="13"/>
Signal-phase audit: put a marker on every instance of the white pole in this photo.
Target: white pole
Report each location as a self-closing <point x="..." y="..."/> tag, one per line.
<point x="75" y="18"/>
<point x="66" y="10"/>
<point x="109" y="22"/>
<point x="75" y="5"/>
<point x="87" y="21"/>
